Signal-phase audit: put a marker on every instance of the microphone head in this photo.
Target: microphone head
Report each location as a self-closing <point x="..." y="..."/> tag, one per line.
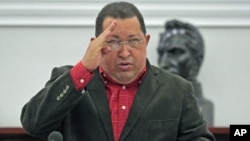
<point x="55" y="136"/>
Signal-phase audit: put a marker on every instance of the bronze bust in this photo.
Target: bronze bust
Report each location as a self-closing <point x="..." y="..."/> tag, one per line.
<point x="181" y="51"/>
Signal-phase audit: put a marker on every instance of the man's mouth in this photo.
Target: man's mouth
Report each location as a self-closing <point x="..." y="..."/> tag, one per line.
<point x="124" y="66"/>
<point x="173" y="70"/>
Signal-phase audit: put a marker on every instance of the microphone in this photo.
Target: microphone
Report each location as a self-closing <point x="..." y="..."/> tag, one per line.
<point x="55" y="136"/>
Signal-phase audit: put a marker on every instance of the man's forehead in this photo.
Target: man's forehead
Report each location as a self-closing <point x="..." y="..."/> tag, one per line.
<point x="129" y="27"/>
<point x="108" y="19"/>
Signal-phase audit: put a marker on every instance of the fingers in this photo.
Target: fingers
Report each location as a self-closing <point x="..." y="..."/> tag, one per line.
<point x="99" y="41"/>
<point x="111" y="27"/>
<point x="92" y="56"/>
<point x="107" y="31"/>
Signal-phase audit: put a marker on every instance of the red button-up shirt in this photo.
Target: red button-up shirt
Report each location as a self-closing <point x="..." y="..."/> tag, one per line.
<point x="120" y="97"/>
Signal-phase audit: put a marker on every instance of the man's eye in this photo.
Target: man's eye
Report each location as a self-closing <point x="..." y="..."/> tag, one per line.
<point x="177" y="51"/>
<point x="133" y="41"/>
<point x="112" y="41"/>
<point x="160" y="51"/>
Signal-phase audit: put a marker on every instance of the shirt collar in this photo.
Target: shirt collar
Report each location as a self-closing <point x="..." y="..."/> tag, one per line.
<point x="108" y="80"/>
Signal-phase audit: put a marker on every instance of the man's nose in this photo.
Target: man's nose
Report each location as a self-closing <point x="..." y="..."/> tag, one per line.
<point x="124" y="52"/>
<point x="164" y="61"/>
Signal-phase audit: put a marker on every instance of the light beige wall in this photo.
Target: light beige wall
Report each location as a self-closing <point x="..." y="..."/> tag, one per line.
<point x="28" y="54"/>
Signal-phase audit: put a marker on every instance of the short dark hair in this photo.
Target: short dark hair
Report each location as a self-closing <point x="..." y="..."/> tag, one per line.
<point x="120" y="10"/>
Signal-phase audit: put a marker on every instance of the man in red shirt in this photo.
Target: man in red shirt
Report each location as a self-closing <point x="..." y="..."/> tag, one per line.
<point x="113" y="93"/>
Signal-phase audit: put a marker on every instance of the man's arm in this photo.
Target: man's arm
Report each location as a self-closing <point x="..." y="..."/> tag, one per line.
<point x="192" y="125"/>
<point x="46" y="110"/>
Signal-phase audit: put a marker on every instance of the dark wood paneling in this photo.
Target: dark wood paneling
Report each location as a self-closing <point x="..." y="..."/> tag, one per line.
<point x="16" y="134"/>
<point x="220" y="133"/>
<point x="19" y="134"/>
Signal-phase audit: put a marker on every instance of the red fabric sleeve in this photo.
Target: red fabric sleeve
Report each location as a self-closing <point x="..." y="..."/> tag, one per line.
<point x="80" y="76"/>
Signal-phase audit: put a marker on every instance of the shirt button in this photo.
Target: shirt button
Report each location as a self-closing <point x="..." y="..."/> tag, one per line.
<point x="123" y="87"/>
<point x="123" y="107"/>
<point x="81" y="81"/>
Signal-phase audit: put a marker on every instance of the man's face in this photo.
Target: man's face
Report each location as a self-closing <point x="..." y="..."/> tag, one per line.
<point x="126" y="63"/>
<point x="175" y="56"/>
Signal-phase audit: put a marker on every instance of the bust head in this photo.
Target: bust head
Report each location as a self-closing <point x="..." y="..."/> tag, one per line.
<point x="181" y="49"/>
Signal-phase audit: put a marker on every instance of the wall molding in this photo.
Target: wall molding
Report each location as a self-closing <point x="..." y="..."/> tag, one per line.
<point x="79" y="13"/>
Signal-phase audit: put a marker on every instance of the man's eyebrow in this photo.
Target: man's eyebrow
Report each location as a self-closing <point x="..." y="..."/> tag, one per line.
<point x="115" y="36"/>
<point x="130" y="36"/>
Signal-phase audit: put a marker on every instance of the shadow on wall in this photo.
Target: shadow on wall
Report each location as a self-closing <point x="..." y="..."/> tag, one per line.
<point x="181" y="51"/>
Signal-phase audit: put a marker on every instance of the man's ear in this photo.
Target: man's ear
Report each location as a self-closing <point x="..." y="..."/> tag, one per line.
<point x="147" y="38"/>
